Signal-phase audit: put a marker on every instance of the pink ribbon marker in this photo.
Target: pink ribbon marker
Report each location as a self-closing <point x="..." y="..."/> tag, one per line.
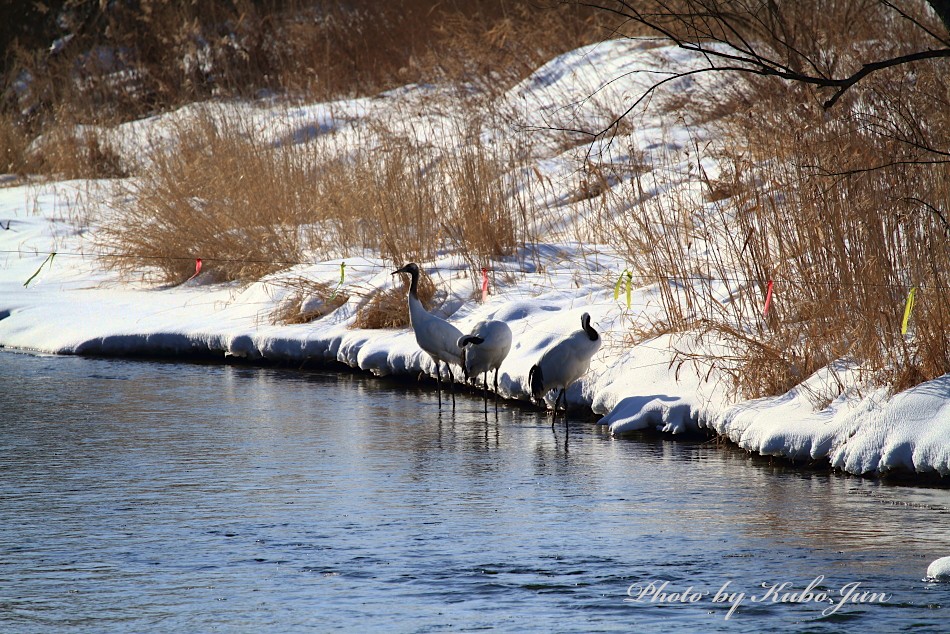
<point x="197" y="269"/>
<point x="484" y="284"/>
<point x="768" y="299"/>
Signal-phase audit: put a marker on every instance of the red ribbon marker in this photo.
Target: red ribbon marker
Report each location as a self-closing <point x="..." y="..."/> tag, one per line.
<point x="197" y="269"/>
<point x="768" y="299"/>
<point x="484" y="284"/>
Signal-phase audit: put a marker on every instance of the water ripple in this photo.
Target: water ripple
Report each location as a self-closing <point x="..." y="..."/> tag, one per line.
<point x="164" y="497"/>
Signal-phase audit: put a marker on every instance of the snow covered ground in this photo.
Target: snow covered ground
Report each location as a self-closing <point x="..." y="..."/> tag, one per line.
<point x="75" y="305"/>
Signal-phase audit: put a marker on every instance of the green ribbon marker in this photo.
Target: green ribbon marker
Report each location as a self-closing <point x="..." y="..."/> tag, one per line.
<point x="340" y="284"/>
<point x="49" y="259"/>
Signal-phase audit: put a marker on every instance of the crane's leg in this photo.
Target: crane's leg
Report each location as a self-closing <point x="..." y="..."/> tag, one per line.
<point x="451" y="382"/>
<point x="438" y="380"/>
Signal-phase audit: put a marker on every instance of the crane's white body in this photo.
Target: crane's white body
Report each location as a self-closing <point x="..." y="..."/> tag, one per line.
<point x="485" y="348"/>
<point x="564" y="362"/>
<point x="434" y="335"/>
<point x="939" y="569"/>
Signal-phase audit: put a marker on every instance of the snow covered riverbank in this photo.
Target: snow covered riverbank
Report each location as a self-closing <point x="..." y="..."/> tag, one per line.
<point x="75" y="305"/>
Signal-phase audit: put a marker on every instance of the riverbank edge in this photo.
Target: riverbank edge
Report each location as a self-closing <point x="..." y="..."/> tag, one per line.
<point x="898" y="477"/>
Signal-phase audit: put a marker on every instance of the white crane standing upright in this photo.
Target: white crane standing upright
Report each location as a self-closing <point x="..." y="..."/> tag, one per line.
<point x="436" y="336"/>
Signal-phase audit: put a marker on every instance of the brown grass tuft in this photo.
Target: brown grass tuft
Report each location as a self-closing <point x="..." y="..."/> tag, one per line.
<point x="382" y="199"/>
<point x="482" y="220"/>
<point x="387" y="309"/>
<point x="308" y="301"/>
<point x="217" y="194"/>
<point x="73" y="152"/>
<point x="14" y="142"/>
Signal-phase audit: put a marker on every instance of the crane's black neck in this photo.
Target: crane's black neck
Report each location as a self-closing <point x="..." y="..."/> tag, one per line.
<point x="414" y="283"/>
<point x="585" y="324"/>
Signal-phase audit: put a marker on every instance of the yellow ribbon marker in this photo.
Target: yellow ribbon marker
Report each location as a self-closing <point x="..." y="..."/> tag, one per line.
<point x="908" y="309"/>
<point x="625" y="273"/>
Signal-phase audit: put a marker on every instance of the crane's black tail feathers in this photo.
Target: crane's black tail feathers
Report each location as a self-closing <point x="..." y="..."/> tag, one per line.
<point x="463" y="341"/>
<point x="536" y="379"/>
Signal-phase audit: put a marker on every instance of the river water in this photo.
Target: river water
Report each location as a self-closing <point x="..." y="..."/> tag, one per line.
<point x="155" y="496"/>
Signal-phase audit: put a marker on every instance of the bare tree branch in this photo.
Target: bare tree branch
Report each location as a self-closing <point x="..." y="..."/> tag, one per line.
<point x="933" y="210"/>
<point x="874" y="168"/>
<point x="942" y="39"/>
<point x="847" y="82"/>
<point x="716" y="33"/>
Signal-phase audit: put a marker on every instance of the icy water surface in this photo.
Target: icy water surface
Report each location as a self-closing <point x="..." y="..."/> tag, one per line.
<point x="144" y="497"/>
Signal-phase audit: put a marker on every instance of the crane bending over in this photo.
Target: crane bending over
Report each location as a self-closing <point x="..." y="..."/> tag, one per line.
<point x="484" y="349"/>
<point x="564" y="362"/>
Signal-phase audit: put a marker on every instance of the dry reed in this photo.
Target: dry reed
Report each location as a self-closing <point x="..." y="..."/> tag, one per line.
<point x="307" y="301"/>
<point x="218" y="194"/>
<point x="387" y="309"/>
<point x="72" y="152"/>
<point x="842" y="210"/>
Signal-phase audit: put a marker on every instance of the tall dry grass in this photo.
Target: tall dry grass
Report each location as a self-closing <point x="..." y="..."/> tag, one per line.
<point x="408" y="197"/>
<point x="381" y="198"/>
<point x="13" y="144"/>
<point x="248" y="209"/>
<point x="217" y="193"/>
<point x="70" y="151"/>
<point x="843" y="210"/>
